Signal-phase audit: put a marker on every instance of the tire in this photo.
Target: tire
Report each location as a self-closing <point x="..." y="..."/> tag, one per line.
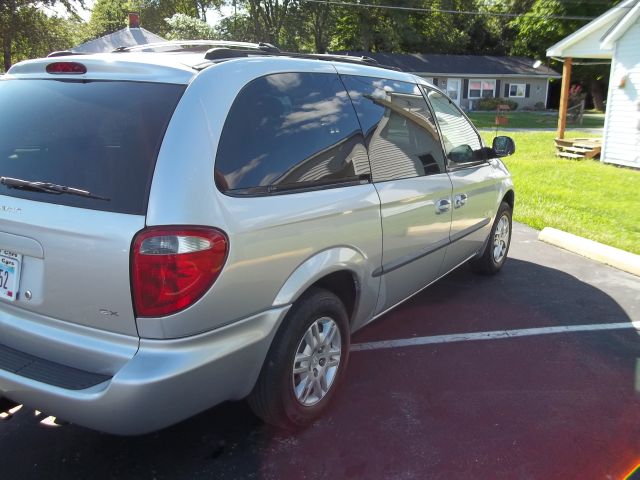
<point x="290" y="400"/>
<point x="497" y="248"/>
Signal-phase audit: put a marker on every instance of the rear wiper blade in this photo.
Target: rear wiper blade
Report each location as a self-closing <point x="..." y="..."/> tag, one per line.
<point x="47" y="187"/>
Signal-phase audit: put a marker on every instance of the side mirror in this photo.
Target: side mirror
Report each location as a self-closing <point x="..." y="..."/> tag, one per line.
<point x="504" y="146"/>
<point x="461" y="154"/>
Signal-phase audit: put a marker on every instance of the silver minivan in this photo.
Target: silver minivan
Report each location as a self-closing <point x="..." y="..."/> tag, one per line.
<point x="188" y="223"/>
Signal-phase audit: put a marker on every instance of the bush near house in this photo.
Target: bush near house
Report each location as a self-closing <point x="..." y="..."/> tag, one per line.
<point x="586" y="198"/>
<point x="491" y="103"/>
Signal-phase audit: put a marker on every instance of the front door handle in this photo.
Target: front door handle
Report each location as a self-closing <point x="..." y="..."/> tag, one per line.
<point x="443" y="205"/>
<point x="460" y="200"/>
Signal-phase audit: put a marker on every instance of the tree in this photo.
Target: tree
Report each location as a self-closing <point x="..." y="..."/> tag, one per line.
<point x="238" y="27"/>
<point x="184" y="27"/>
<point x="366" y="29"/>
<point x="429" y="31"/>
<point x="268" y="18"/>
<point x="153" y="13"/>
<point x="434" y="32"/>
<point x="38" y="35"/>
<point x="320" y="24"/>
<point x="109" y="16"/>
<point x="21" y="19"/>
<point x="202" y="6"/>
<point x="535" y="33"/>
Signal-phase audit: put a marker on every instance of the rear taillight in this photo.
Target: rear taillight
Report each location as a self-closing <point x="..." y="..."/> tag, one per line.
<point x="172" y="267"/>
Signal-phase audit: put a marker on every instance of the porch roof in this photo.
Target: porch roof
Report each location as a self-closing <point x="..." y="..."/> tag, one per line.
<point x="596" y="39"/>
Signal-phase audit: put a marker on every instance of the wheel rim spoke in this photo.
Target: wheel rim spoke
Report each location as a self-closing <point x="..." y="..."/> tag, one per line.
<point x="323" y="384"/>
<point x="302" y="365"/>
<point x="316" y="334"/>
<point x="308" y="388"/>
<point x="310" y="339"/>
<point x="328" y="338"/>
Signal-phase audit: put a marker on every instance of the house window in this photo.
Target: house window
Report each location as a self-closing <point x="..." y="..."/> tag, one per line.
<point x="517" y="90"/>
<point x="482" y="88"/>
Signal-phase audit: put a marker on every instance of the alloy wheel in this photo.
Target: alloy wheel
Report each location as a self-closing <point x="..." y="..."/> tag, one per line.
<point x="316" y="361"/>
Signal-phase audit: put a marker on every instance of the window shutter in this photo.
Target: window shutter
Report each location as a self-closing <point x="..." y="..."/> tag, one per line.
<point x="527" y="92"/>
<point x="435" y="81"/>
<point x="465" y="88"/>
<point x="496" y="93"/>
<point x="506" y="90"/>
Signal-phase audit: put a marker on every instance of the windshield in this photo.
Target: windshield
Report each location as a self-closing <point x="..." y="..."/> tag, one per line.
<point x="102" y="137"/>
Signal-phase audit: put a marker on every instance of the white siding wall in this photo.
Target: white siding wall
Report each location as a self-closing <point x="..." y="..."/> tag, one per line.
<point x="622" y="123"/>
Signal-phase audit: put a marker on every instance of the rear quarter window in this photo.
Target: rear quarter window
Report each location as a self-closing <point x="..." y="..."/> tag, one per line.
<point x="100" y="136"/>
<point x="290" y="131"/>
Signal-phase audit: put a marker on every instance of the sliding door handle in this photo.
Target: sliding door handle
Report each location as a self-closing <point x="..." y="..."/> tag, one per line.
<point x="443" y="205"/>
<point x="460" y="200"/>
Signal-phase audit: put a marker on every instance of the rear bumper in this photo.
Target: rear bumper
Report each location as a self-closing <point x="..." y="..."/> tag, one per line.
<point x="165" y="382"/>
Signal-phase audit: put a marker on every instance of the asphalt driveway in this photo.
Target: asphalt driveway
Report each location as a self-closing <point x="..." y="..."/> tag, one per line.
<point x="532" y="374"/>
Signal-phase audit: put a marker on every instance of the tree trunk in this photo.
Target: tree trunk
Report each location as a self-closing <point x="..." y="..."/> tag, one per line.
<point x="6" y="51"/>
<point x="7" y="38"/>
<point x="597" y="94"/>
<point x="320" y="24"/>
<point x="253" y="14"/>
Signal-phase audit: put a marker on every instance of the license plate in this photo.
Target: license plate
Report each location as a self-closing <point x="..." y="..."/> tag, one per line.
<point x="9" y="274"/>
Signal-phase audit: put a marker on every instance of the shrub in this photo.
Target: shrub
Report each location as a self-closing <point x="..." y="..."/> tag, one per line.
<point x="184" y="27"/>
<point x="539" y="106"/>
<point x="492" y="103"/>
<point x="576" y="95"/>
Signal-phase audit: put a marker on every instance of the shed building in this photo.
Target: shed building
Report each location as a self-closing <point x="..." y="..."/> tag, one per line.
<point x="614" y="35"/>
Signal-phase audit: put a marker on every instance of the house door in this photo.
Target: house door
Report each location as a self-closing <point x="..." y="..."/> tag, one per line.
<point x="453" y="89"/>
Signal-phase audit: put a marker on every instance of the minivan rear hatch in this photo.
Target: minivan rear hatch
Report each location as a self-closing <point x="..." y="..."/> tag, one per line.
<point x="76" y="160"/>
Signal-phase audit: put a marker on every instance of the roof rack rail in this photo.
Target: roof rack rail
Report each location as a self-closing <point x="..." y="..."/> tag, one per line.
<point x="177" y="45"/>
<point x="221" y="53"/>
<point x="224" y="50"/>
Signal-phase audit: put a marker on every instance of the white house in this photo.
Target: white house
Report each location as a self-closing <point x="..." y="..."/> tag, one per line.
<point x="614" y="35"/>
<point x="469" y="78"/>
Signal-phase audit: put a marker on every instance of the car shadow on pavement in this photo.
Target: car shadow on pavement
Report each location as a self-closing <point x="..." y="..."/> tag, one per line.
<point x="547" y="406"/>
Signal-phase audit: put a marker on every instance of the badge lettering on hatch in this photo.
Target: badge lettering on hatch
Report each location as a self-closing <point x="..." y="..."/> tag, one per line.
<point x="109" y="313"/>
<point x="7" y="209"/>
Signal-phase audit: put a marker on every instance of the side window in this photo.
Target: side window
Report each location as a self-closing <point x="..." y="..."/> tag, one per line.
<point x="400" y="132"/>
<point x="461" y="142"/>
<point x="287" y="131"/>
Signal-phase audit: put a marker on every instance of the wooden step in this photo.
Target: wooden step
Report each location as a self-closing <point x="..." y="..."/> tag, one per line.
<point x="573" y="156"/>
<point x="561" y="142"/>
<point x="590" y="152"/>
<point x="576" y="149"/>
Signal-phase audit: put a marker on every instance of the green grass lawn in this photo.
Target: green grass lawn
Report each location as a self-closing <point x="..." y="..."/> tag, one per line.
<point x="585" y="197"/>
<point x="533" y="120"/>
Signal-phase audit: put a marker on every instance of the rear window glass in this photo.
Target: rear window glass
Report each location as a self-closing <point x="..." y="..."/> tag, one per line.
<point x="97" y="136"/>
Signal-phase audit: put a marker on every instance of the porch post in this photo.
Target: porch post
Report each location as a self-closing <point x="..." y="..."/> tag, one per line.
<point x="564" y="96"/>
